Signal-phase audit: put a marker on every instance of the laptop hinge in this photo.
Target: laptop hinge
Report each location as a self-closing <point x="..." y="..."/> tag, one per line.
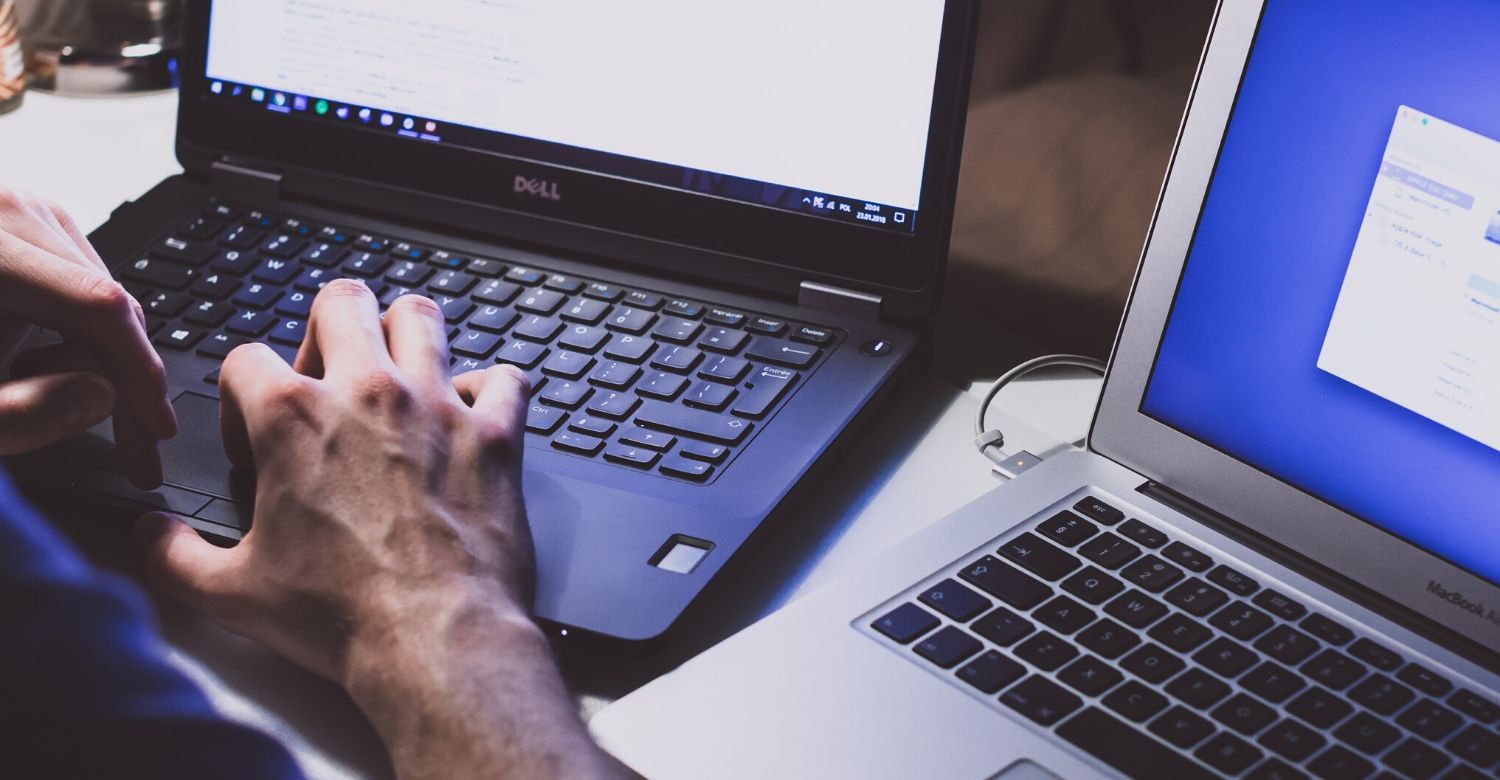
<point x="850" y="303"/>
<point x="249" y="182"/>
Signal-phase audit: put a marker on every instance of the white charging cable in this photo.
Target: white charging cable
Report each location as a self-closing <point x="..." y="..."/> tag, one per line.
<point x="992" y="441"/>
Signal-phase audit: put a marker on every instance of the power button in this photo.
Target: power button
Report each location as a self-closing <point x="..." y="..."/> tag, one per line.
<point x="877" y="348"/>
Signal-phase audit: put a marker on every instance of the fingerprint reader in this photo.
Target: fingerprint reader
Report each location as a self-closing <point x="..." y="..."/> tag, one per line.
<point x="682" y="555"/>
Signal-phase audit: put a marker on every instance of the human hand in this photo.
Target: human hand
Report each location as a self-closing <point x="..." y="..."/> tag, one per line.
<point x="385" y="494"/>
<point x="51" y="276"/>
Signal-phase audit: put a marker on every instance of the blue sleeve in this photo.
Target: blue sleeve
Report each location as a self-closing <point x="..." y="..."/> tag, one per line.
<point x="84" y="687"/>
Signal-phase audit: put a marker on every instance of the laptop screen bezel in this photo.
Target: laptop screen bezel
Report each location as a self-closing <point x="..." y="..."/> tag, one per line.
<point x="1282" y="513"/>
<point x="823" y="248"/>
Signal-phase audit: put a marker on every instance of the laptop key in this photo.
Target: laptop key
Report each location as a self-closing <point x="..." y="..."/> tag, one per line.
<point x="1041" y="700"/>
<point x="710" y="396"/>
<point x="1003" y="627"/>
<point x="251" y="323"/>
<point x="1244" y="622"/>
<point x="905" y="623"/>
<point x="181" y="337"/>
<point x="1135" y="701"/>
<point x="809" y="334"/>
<point x="544" y="419"/>
<point x="661" y="385"/>
<point x="1474" y="705"/>
<point x="633" y="321"/>
<point x="1136" y="609"/>
<point x="1424" y="680"/>
<point x="1233" y="581"/>
<point x="615" y="375"/>
<point x="1476" y="745"/>
<point x="708" y="453"/>
<point x="616" y="405"/>
<point x="537" y="329"/>
<point x="527" y="276"/>
<point x="453" y="283"/>
<point x="1225" y="658"/>
<point x="1090" y="676"/>
<point x="568" y="395"/>
<point x="1092" y="585"/>
<point x="653" y="440"/>
<point x="1228" y="754"/>
<point x="579" y="443"/>
<point x="1430" y="720"/>
<point x="676" y="329"/>
<point x="567" y="364"/>
<point x="1414" y="758"/>
<point x="693" y="423"/>
<point x="496" y="292"/>
<point x="948" y="647"/>
<point x="685" y="468"/>
<point x="1181" y="727"/>
<point x="954" y="600"/>
<point x="725" y="369"/>
<point x="1152" y="574"/>
<point x="1152" y="663"/>
<point x="476" y="344"/>
<point x="586" y="311"/>
<point x="1272" y="682"/>
<point x="764" y="390"/>
<point x="631" y="349"/>
<point x="780" y="352"/>
<point x="1337" y="763"/>
<point x="604" y="292"/>
<point x="767" y="326"/>
<point x="209" y="314"/>
<point x="676" y="358"/>
<point x="585" y="338"/>
<point x="1375" y="655"/>
<point x="1366" y="733"/>
<point x="1187" y="557"/>
<point x="1063" y="615"/>
<point x="1333" y="669"/>
<point x="1098" y="511"/>
<point x="542" y="302"/>
<point x="1181" y="633"/>
<point x="1046" y="651"/>
<point x="1040" y="558"/>
<point x="638" y="457"/>
<point x="1381" y="695"/>
<point x="563" y="284"/>
<point x="1244" y="714"/>
<point x="1198" y="689"/>
<point x="1285" y="644"/>
<point x="1326" y="629"/>
<point x="643" y="300"/>
<point x="1319" y="708"/>
<point x="1280" y="605"/>
<point x="724" y="340"/>
<point x="160" y="273"/>
<point x="1107" y="638"/>
<point x="1196" y="597"/>
<point x="1142" y="534"/>
<point x="1005" y="582"/>
<point x="729" y="319"/>
<point x="1292" y="740"/>
<point x="1109" y="551"/>
<point x="522" y="354"/>
<point x="1067" y="529"/>
<point x="991" y="672"/>
<point x="485" y="267"/>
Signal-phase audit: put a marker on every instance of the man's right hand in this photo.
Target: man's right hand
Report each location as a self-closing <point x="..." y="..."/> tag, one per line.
<point x="51" y="276"/>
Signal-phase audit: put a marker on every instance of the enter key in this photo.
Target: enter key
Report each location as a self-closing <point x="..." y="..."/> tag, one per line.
<point x="764" y="390"/>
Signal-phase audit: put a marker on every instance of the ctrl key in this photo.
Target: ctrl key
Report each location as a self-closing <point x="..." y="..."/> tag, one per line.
<point x="905" y="623"/>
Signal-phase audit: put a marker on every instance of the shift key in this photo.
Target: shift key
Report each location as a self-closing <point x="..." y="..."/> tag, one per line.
<point x="693" y="423"/>
<point x="764" y="391"/>
<point x="783" y="352"/>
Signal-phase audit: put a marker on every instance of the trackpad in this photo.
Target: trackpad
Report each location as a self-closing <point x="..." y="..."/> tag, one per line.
<point x="1025" y="770"/>
<point x="195" y="458"/>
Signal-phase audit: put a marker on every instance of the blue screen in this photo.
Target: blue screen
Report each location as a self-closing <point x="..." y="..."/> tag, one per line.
<point x="1332" y="322"/>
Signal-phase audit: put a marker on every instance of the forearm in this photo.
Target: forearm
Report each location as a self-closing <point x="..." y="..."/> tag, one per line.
<point x="469" y="688"/>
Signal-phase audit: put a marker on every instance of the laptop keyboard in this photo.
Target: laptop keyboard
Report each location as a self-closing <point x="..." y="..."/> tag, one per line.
<point x="631" y="377"/>
<point x="1148" y="654"/>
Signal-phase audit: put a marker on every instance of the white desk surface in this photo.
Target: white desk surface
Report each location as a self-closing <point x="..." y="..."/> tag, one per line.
<point x="916" y="467"/>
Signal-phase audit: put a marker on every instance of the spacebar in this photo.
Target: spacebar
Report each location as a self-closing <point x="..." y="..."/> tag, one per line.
<point x="1122" y="747"/>
<point x="691" y="422"/>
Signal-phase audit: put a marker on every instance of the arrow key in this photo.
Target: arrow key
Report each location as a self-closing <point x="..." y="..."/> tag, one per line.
<point x="783" y="352"/>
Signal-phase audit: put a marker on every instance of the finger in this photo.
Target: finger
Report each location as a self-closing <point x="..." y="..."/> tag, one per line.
<point x="75" y="233"/>
<point x="32" y="220"/>
<point x="40" y="288"/>
<point x="500" y="395"/>
<point x="417" y="335"/>
<point x="247" y="380"/>
<point x="43" y="410"/>
<point x="186" y="567"/>
<point x="344" y="334"/>
<point x="137" y="453"/>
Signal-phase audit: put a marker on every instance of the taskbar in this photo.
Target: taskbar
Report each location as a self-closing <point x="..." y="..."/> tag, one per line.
<point x="828" y="206"/>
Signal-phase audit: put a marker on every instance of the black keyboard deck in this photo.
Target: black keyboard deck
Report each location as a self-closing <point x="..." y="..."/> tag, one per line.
<point x="1146" y="653"/>
<point x="636" y="378"/>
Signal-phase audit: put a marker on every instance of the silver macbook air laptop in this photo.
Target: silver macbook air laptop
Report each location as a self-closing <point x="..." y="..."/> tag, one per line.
<point x="1281" y="556"/>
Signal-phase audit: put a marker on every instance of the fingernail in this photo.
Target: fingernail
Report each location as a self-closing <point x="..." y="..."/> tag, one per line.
<point x="87" y="400"/>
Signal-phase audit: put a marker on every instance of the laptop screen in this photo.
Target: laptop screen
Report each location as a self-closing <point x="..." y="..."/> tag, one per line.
<point x="1337" y="324"/>
<point x="817" y="108"/>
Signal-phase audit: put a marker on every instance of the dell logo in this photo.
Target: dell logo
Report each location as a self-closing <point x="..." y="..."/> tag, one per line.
<point x="538" y="188"/>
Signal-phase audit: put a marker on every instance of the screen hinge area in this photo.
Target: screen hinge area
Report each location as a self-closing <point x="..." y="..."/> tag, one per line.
<point x="246" y="181"/>
<point x="850" y="303"/>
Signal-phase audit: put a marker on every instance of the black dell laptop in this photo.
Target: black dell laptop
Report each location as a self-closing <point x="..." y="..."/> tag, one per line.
<point x="710" y="233"/>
